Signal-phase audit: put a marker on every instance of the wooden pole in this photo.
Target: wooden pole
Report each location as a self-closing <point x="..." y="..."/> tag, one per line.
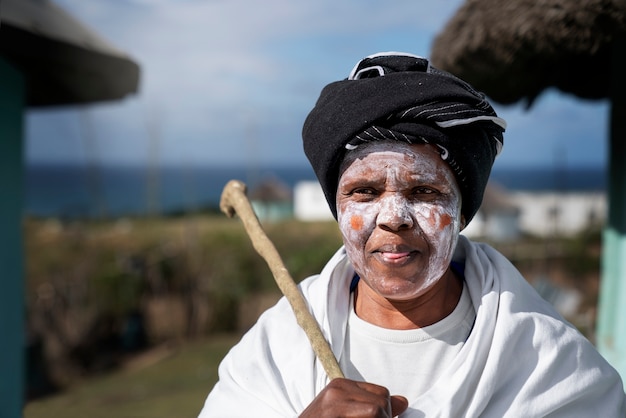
<point x="12" y="98"/>
<point x="234" y="200"/>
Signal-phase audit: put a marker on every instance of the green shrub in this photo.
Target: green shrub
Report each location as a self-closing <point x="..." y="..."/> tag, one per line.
<point x="123" y="262"/>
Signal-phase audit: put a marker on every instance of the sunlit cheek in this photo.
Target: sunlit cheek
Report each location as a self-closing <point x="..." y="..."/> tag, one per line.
<point x="440" y="226"/>
<point x="355" y="223"/>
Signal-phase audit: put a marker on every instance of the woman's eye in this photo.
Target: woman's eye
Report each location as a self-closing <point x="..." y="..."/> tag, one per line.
<point x="362" y="193"/>
<point x="365" y="191"/>
<point x="424" y="190"/>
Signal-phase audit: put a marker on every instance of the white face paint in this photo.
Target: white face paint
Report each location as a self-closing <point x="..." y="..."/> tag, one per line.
<point x="399" y="212"/>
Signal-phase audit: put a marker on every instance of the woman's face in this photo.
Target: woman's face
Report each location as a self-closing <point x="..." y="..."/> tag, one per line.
<point x="399" y="212"/>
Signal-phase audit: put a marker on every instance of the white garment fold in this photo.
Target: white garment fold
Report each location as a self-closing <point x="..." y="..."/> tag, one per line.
<point x="520" y="360"/>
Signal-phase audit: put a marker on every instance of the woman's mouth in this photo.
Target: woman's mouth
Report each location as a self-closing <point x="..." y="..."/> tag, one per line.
<point x="394" y="253"/>
<point x="395" y="256"/>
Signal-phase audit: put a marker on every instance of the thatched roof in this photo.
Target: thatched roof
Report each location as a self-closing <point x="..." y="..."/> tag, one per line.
<point x="513" y="50"/>
<point x="271" y="190"/>
<point x="62" y="60"/>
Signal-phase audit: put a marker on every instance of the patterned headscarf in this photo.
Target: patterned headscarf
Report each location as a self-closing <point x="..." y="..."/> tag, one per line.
<point x="398" y="96"/>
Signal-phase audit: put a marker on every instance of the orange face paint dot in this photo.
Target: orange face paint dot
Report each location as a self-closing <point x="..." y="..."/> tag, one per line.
<point x="445" y="220"/>
<point x="356" y="222"/>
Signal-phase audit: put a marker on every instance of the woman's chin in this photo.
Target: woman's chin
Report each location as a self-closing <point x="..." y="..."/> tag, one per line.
<point x="402" y="291"/>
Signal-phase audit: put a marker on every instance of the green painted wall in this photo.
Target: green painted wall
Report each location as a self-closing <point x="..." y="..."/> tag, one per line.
<point x="12" y="94"/>
<point x="611" y="339"/>
<point x="611" y="335"/>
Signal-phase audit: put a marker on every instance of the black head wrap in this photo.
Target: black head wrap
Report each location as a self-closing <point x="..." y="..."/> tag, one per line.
<point x="394" y="96"/>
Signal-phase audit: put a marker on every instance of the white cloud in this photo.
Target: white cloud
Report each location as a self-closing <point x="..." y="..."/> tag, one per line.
<point x="220" y="72"/>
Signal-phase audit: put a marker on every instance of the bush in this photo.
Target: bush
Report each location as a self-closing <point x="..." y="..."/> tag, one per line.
<point x="202" y="259"/>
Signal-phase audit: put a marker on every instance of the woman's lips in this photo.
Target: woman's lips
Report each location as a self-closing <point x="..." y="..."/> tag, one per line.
<point x="394" y="253"/>
<point x="395" y="256"/>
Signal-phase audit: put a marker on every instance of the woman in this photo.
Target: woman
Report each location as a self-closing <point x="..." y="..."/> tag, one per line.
<point x="423" y="321"/>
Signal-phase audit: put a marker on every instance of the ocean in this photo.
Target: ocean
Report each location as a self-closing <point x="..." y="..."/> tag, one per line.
<point x="76" y="191"/>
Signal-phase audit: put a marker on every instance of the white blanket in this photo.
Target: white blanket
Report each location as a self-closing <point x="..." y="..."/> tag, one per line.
<point x="521" y="359"/>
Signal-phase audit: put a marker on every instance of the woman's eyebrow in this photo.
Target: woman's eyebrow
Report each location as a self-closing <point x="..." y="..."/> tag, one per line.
<point x="360" y="182"/>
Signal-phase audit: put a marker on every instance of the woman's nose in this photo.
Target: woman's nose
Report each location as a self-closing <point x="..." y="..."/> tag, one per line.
<point x="394" y="213"/>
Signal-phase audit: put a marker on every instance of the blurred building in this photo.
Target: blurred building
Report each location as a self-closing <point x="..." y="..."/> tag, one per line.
<point x="566" y="213"/>
<point x="47" y="58"/>
<point x="271" y="200"/>
<point x="309" y="203"/>
<point x="498" y="217"/>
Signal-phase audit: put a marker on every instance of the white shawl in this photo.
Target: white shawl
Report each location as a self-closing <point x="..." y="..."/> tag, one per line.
<point x="520" y="360"/>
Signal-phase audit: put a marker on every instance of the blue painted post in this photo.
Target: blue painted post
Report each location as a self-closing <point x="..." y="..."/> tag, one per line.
<point x="12" y="101"/>
<point x="611" y="335"/>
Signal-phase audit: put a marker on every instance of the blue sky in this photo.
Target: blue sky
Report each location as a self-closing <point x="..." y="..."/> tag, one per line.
<point x="230" y="82"/>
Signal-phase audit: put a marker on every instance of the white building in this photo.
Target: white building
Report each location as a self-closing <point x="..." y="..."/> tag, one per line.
<point x="566" y="213"/>
<point x="309" y="203"/>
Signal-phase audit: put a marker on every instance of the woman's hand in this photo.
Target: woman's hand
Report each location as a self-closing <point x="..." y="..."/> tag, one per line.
<point x="349" y="398"/>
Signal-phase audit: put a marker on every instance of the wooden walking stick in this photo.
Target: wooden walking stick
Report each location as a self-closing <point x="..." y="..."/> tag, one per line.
<point x="234" y="201"/>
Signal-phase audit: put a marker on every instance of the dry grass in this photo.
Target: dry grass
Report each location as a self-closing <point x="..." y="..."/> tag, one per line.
<point x="166" y="382"/>
<point x="188" y="278"/>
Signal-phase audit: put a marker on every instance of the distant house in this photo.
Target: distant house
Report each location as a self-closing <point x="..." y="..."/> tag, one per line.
<point x="560" y="213"/>
<point x="309" y="203"/>
<point x="271" y="200"/>
<point x="539" y="213"/>
<point x="498" y="217"/>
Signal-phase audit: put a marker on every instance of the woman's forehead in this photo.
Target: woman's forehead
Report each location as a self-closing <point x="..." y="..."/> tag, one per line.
<point x="420" y="157"/>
